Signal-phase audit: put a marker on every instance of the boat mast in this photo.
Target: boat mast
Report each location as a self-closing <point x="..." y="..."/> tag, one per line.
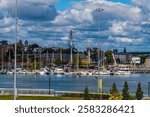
<point x="22" y="57"/>
<point x="71" y="46"/>
<point x="2" y="59"/>
<point x="9" y="60"/>
<point x="15" y="62"/>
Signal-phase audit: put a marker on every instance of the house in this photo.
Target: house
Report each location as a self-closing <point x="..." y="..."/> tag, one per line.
<point x="135" y="60"/>
<point x="147" y="61"/>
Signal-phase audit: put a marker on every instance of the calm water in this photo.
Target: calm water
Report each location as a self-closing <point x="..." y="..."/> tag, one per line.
<point x="69" y="83"/>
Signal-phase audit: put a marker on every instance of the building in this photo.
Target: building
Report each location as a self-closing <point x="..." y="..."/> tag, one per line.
<point x="135" y="60"/>
<point x="147" y="61"/>
<point x="122" y="57"/>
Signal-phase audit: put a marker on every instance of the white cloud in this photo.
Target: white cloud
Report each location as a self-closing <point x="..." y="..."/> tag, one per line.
<point x="74" y="17"/>
<point x="128" y="40"/>
<point x="120" y="24"/>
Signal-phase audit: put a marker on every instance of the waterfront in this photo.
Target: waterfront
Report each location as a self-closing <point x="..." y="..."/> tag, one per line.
<point x="72" y="83"/>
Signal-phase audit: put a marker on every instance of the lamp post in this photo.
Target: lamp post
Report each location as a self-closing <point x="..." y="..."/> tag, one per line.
<point x="99" y="61"/>
<point x="99" y="10"/>
<point x="15" y="62"/>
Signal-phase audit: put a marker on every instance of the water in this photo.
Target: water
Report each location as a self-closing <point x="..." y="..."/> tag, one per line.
<point x="69" y="83"/>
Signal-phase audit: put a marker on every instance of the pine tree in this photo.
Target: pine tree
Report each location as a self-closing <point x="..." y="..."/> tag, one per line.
<point x="86" y="94"/>
<point x="125" y="92"/>
<point x="114" y="90"/>
<point x="139" y="92"/>
<point x="114" y="94"/>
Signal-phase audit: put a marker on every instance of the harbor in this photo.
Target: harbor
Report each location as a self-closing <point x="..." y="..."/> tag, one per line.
<point x="75" y="83"/>
<point x="73" y="50"/>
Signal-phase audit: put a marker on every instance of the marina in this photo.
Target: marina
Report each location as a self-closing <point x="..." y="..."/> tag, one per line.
<point x="76" y="83"/>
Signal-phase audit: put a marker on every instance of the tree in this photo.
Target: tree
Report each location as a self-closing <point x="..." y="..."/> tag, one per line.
<point x="114" y="90"/>
<point x="139" y="92"/>
<point x="4" y="42"/>
<point x="109" y="57"/>
<point x="86" y="94"/>
<point x="58" y="62"/>
<point x="143" y="58"/>
<point x="84" y="63"/>
<point x="76" y="61"/>
<point x="26" y="43"/>
<point x="125" y="92"/>
<point x="114" y="94"/>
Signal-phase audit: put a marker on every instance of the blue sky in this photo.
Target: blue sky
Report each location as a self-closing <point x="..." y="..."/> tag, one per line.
<point x="66" y="4"/>
<point x="48" y="22"/>
<point x="122" y="1"/>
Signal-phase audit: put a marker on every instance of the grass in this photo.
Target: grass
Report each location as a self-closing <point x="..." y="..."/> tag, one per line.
<point x="10" y="97"/>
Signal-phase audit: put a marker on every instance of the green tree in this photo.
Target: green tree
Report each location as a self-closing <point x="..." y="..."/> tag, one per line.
<point x="109" y="57"/>
<point x="114" y="90"/>
<point x="58" y="62"/>
<point x="114" y="94"/>
<point x="84" y="63"/>
<point x="86" y="94"/>
<point x="76" y="60"/>
<point x="143" y="58"/>
<point x="125" y="92"/>
<point x="139" y="92"/>
<point x="32" y="65"/>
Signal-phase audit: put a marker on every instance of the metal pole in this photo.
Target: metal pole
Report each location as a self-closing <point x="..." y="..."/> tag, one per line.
<point x="98" y="10"/>
<point x="15" y="62"/>
<point x="27" y="60"/>
<point x="49" y="85"/>
<point x="22" y="58"/>
<point x="47" y="55"/>
<point x="78" y="57"/>
<point x="35" y="61"/>
<point x="71" y="47"/>
<point x="2" y="59"/>
<point x="60" y="54"/>
<point x="9" y="60"/>
<point x="40" y="59"/>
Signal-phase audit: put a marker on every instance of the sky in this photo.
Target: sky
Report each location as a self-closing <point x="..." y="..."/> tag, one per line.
<point x="123" y="23"/>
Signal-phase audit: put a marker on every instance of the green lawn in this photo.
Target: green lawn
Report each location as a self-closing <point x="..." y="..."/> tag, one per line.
<point x="10" y="97"/>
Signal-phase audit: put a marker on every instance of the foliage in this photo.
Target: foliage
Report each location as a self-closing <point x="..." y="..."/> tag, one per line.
<point x="58" y="62"/>
<point x="114" y="94"/>
<point x="109" y="57"/>
<point x="86" y="94"/>
<point x="76" y="60"/>
<point x="139" y="92"/>
<point x="143" y="59"/>
<point x="3" y="42"/>
<point x="114" y="89"/>
<point x="115" y="97"/>
<point x="38" y="65"/>
<point x="84" y="63"/>
<point x="125" y="92"/>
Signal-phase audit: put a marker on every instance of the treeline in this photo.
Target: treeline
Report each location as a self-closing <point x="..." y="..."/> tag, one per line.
<point x="116" y="95"/>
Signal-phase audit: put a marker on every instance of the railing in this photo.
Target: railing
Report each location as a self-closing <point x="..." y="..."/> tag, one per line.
<point x="4" y="91"/>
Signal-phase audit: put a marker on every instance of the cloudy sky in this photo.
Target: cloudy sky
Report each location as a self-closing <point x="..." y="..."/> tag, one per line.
<point x="123" y="23"/>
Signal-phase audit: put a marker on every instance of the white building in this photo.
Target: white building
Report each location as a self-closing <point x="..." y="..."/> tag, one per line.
<point x="136" y="60"/>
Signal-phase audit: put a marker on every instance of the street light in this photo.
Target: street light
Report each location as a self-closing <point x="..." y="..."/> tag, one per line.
<point x="15" y="62"/>
<point x="99" y="10"/>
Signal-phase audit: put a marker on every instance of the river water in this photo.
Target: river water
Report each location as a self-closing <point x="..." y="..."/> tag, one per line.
<point x="72" y="83"/>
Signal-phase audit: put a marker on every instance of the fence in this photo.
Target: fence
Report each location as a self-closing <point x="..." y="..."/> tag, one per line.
<point x="4" y="91"/>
